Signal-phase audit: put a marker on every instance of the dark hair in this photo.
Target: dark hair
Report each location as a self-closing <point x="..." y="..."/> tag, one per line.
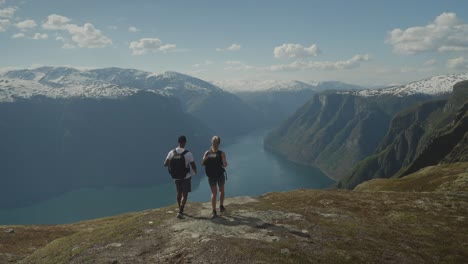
<point x="182" y="139"/>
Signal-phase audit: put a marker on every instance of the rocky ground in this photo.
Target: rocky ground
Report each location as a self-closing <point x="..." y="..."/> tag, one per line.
<point x="303" y="226"/>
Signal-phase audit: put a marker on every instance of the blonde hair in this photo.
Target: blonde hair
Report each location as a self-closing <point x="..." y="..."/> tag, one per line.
<point x="215" y="141"/>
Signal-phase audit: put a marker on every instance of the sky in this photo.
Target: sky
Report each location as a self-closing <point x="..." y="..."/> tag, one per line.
<point x="364" y="42"/>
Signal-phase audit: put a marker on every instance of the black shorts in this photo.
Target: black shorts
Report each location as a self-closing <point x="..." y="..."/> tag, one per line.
<point x="184" y="185"/>
<point x="217" y="180"/>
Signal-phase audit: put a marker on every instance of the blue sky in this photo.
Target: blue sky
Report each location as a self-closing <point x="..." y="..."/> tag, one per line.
<point x="368" y="42"/>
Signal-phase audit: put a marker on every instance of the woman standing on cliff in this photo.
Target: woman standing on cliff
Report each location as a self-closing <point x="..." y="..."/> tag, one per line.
<point x="215" y="163"/>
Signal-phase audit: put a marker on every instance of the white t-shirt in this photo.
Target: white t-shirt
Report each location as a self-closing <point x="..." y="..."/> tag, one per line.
<point x="188" y="158"/>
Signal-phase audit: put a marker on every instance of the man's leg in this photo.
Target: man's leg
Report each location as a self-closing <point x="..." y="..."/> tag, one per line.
<point x="183" y="201"/>
<point x="179" y="198"/>
<point x="186" y="188"/>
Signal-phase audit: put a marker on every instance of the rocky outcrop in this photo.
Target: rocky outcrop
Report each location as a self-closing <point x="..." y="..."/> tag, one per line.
<point x="303" y="226"/>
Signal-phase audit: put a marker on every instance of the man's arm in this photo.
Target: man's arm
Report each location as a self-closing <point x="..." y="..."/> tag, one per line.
<point x="194" y="167"/>
<point x="166" y="163"/>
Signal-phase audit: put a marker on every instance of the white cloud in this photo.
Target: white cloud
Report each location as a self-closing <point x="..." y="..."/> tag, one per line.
<point x="446" y="33"/>
<point x="26" y="24"/>
<point x="56" y="22"/>
<point x="18" y="35"/>
<point x="233" y="47"/>
<point x="458" y="63"/>
<point x="145" y="45"/>
<point x="297" y="51"/>
<point x="4" y="24"/>
<point x="60" y="38"/>
<point x="38" y="36"/>
<point x="321" y="65"/>
<point x="8" y="12"/>
<point x="88" y="37"/>
<point x="133" y="29"/>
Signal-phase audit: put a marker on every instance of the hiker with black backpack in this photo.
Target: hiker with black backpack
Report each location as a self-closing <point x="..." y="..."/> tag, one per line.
<point x="178" y="162"/>
<point x="215" y="163"/>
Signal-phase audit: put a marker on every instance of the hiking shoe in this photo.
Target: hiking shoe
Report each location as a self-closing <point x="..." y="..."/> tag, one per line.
<point x="213" y="215"/>
<point x="221" y="208"/>
<point x="180" y="215"/>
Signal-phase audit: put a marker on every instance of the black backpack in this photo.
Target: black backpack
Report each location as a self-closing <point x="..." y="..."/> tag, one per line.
<point x="214" y="164"/>
<point x="177" y="167"/>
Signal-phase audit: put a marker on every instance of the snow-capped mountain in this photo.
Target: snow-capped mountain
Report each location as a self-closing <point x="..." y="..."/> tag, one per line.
<point x="108" y="82"/>
<point x="437" y="85"/>
<point x="270" y="85"/>
<point x="240" y="86"/>
<point x="197" y="97"/>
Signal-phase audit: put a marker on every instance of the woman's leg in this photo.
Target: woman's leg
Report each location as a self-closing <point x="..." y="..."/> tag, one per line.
<point x="221" y="195"/>
<point x="213" y="196"/>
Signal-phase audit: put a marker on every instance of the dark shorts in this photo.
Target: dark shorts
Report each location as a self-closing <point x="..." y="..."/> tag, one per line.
<point x="184" y="185"/>
<point x="219" y="180"/>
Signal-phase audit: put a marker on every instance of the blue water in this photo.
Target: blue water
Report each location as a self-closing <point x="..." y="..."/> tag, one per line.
<point x="251" y="171"/>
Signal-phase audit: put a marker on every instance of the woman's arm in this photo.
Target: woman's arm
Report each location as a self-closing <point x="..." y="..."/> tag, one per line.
<point x="223" y="155"/>
<point x="205" y="156"/>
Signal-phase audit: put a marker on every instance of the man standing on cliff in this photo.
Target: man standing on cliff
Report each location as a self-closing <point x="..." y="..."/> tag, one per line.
<point x="179" y="161"/>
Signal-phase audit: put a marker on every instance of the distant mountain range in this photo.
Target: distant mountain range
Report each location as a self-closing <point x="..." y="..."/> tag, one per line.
<point x="277" y="100"/>
<point x="241" y="86"/>
<point x="436" y="85"/>
<point x="197" y="97"/>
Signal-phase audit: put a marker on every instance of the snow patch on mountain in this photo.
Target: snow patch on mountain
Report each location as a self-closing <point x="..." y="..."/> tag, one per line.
<point x="437" y="85"/>
<point x="11" y="89"/>
<point x="269" y="85"/>
<point x="63" y="82"/>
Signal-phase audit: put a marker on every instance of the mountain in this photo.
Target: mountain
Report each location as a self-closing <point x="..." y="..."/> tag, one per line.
<point x="205" y="101"/>
<point x="437" y="85"/>
<point x="424" y="135"/>
<point x="276" y="100"/>
<point x="240" y="86"/>
<point x="336" y="86"/>
<point x="336" y="130"/>
<point x="63" y="129"/>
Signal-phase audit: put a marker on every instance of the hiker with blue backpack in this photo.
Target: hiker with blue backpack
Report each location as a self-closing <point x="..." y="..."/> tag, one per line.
<point x="215" y="163"/>
<point x="179" y="161"/>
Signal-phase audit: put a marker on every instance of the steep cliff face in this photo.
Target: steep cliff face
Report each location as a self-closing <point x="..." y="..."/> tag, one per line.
<point x="421" y="136"/>
<point x="446" y="145"/>
<point x="398" y="148"/>
<point x="334" y="131"/>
